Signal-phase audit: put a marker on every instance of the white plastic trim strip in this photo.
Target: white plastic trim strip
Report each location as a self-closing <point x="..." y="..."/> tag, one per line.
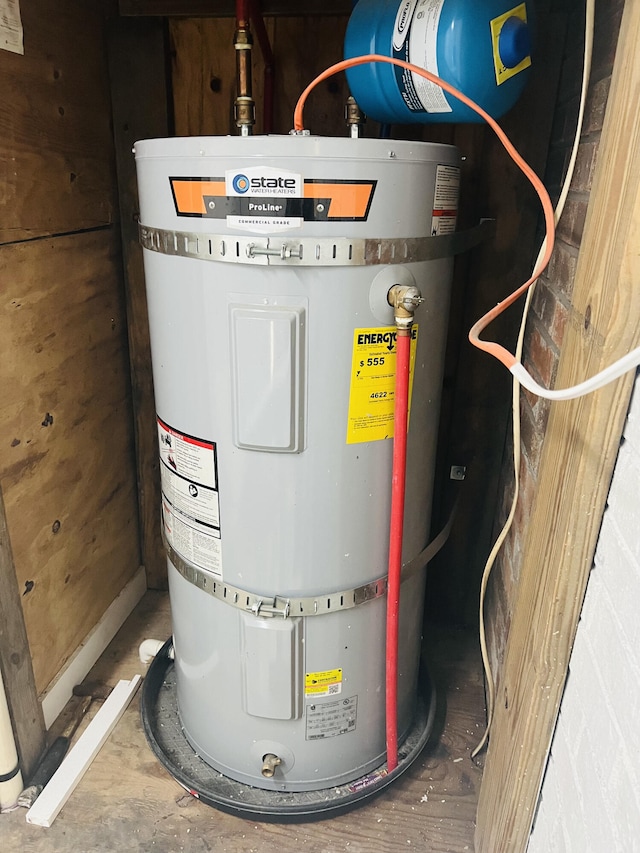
<point x="63" y="782"/>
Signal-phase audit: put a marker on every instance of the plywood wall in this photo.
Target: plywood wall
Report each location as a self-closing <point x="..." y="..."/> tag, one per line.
<point x="67" y="467"/>
<point x="203" y="77"/>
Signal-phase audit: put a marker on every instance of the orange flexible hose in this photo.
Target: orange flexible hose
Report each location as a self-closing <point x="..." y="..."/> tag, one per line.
<point x="503" y="355"/>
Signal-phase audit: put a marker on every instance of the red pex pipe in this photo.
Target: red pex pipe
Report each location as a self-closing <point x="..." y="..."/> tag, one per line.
<point x="242" y="13"/>
<point x="401" y="411"/>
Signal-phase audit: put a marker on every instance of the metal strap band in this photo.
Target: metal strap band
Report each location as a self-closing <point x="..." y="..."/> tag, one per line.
<point x="311" y="251"/>
<point x="312" y="605"/>
<point x="278" y="605"/>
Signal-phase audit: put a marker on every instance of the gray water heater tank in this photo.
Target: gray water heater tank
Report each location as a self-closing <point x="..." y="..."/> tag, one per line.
<point x="268" y="261"/>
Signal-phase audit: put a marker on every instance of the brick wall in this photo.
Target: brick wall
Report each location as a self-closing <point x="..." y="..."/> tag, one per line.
<point x="551" y="305"/>
<point x="591" y="792"/>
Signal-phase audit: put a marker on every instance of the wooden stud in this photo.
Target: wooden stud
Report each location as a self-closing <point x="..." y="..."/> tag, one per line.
<point x="580" y="449"/>
<point x="15" y="661"/>
<point x="139" y="97"/>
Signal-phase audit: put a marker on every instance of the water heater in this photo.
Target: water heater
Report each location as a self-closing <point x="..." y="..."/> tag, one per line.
<point x="268" y="261"/>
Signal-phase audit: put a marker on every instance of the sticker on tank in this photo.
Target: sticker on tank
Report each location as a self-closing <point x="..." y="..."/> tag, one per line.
<point x="190" y="500"/>
<point x="373" y="379"/>
<point x="445" y="200"/>
<point x="330" y="719"/>
<point x="325" y="683"/>
<point x="271" y="202"/>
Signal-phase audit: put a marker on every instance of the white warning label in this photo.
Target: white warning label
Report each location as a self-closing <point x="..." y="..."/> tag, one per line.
<point x="423" y="51"/>
<point x="190" y="504"/>
<point x="415" y="39"/>
<point x="330" y="719"/>
<point x="445" y="200"/>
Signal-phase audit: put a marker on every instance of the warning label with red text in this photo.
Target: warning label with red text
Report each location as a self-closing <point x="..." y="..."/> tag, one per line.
<point x="445" y="200"/>
<point x="190" y="504"/>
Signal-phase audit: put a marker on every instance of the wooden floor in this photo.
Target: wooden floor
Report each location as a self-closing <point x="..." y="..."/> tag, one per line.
<point x="128" y="802"/>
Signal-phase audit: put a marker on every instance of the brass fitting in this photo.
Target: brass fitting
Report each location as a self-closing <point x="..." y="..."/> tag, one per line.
<point x="404" y="301"/>
<point x="245" y="115"/>
<point x="354" y="117"/>
<point x="269" y="764"/>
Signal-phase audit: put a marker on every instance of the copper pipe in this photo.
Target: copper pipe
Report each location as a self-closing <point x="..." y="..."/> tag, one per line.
<point x="244" y="104"/>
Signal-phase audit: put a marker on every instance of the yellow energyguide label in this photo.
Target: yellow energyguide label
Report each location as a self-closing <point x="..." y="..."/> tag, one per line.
<point x="503" y="73"/>
<point x="326" y="683"/>
<point x="373" y="379"/>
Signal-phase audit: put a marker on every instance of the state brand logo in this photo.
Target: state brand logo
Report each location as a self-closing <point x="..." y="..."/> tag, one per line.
<point x="240" y="184"/>
<point x="263" y="181"/>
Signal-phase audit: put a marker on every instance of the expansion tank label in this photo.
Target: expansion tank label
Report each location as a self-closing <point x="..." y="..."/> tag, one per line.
<point x="373" y="377"/>
<point x="190" y="505"/>
<point x="415" y="39"/>
<point x="269" y="200"/>
<point x="502" y="72"/>
<point x="445" y="200"/>
<point x="326" y="683"/>
<point x="330" y="719"/>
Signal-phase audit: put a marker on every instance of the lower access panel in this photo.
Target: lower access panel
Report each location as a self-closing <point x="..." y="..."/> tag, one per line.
<point x="271" y="661"/>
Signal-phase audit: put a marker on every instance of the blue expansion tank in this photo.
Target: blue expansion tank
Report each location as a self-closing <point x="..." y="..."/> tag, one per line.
<point x="482" y="47"/>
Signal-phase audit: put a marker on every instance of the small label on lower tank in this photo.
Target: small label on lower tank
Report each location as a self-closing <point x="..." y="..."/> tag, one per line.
<point x="330" y="719"/>
<point x="326" y="683"/>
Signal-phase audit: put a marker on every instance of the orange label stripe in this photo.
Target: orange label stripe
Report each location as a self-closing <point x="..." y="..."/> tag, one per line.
<point x="190" y="194"/>
<point x="348" y="201"/>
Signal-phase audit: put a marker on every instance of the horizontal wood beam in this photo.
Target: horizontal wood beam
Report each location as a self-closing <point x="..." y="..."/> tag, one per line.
<point x="226" y="8"/>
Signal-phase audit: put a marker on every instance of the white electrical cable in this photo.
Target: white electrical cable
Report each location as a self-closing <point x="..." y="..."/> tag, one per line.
<point x="521" y="377"/>
<point x="627" y="362"/>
